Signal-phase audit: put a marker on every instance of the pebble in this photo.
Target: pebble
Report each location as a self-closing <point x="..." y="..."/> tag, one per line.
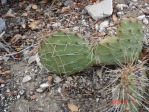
<point x="48" y="25"/>
<point x="141" y="17"/>
<point x="57" y="79"/>
<point x="120" y="13"/>
<point x="2" y="25"/>
<point x="104" y="25"/>
<point x="100" y="10"/>
<point x="59" y="90"/>
<point x="44" y="85"/>
<point x="56" y="25"/>
<point x="21" y="92"/>
<point x="69" y="78"/>
<point x="39" y="90"/>
<point x="8" y="90"/>
<point x="134" y="0"/>
<point x="18" y="96"/>
<point x="76" y="28"/>
<point x="2" y="85"/>
<point x="97" y="27"/>
<point x="26" y="78"/>
<point x="121" y="6"/>
<point x="145" y="21"/>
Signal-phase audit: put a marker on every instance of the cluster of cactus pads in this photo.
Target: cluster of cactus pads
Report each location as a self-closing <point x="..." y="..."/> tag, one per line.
<point x="68" y="53"/>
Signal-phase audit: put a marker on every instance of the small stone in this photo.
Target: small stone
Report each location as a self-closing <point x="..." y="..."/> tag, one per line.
<point x="69" y="78"/>
<point x="18" y="96"/>
<point x="97" y="99"/>
<point x="8" y="90"/>
<point x="56" y="25"/>
<point x="97" y="27"/>
<point x="26" y="78"/>
<point x="34" y="7"/>
<point x="39" y="90"/>
<point x="21" y="92"/>
<point x="59" y="90"/>
<point x="100" y="10"/>
<point x="48" y="25"/>
<point x="120" y="13"/>
<point x="76" y="28"/>
<point x="57" y="79"/>
<point x="104" y="25"/>
<point x="121" y="6"/>
<point x="2" y="85"/>
<point x="44" y="85"/>
<point x="141" y="17"/>
<point x="134" y="0"/>
<point x="2" y="25"/>
<point x="145" y="21"/>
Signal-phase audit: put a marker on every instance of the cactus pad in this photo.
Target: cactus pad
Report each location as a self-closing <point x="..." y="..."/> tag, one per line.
<point x="65" y="53"/>
<point x="123" y="48"/>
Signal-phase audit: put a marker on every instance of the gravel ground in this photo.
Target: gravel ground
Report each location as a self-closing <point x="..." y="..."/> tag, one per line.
<point x="28" y="88"/>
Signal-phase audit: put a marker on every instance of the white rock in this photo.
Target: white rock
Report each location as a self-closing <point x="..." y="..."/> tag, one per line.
<point x="21" y="92"/>
<point x="59" y="90"/>
<point x="134" y="0"/>
<point x="120" y="13"/>
<point x="145" y="21"/>
<point x="18" y="96"/>
<point x="84" y="23"/>
<point x="44" y="85"/>
<point x="57" y="79"/>
<point x="26" y="78"/>
<point x="121" y="6"/>
<point x="8" y="90"/>
<point x="48" y="25"/>
<point x="97" y="27"/>
<point x="76" y="28"/>
<point x="39" y="90"/>
<point x="141" y="17"/>
<point x="56" y="24"/>
<point x="2" y="25"/>
<point x="100" y="10"/>
<point x="104" y="25"/>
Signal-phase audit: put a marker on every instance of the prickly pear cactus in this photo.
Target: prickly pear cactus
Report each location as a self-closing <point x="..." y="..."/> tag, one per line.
<point x="130" y="93"/>
<point x="123" y="48"/>
<point x="65" y="53"/>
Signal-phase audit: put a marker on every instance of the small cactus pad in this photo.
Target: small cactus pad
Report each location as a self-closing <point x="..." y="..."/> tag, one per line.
<point x="123" y="48"/>
<point x="65" y="53"/>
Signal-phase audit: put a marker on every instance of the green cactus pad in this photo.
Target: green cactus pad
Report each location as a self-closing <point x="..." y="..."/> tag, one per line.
<point x="123" y="48"/>
<point x="65" y="53"/>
